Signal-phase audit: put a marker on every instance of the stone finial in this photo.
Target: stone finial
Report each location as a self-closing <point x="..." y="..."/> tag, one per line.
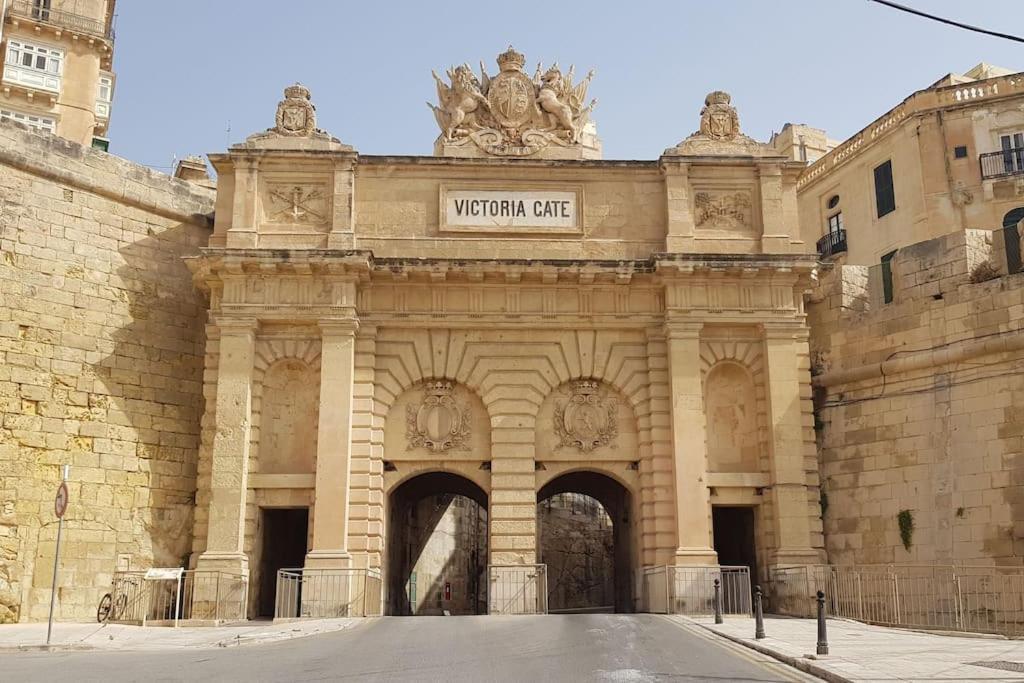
<point x="719" y="132"/>
<point x="295" y="124"/>
<point x="296" y="115"/>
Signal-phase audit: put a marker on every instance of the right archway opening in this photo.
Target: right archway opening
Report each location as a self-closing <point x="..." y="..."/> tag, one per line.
<point x="585" y="539"/>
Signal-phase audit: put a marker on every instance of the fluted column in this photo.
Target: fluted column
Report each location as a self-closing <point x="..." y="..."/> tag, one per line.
<point x="229" y="470"/>
<point x="334" y="445"/>
<point x="693" y="503"/>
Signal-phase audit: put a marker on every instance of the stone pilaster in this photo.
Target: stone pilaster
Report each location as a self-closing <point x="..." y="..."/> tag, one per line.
<point x="679" y="237"/>
<point x="243" y="233"/>
<point x="513" y="513"/>
<point x="366" y="503"/>
<point x="334" y="445"/>
<point x="693" y="504"/>
<point x="342" y="235"/>
<point x="229" y="469"/>
<point x="785" y="344"/>
<point x="657" y="470"/>
<point x="775" y="236"/>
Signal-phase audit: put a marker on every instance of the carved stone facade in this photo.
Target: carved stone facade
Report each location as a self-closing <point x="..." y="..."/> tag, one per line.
<point x="656" y="345"/>
<point x="512" y="115"/>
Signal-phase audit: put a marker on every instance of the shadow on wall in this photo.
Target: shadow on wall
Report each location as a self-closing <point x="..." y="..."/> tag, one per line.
<point x="139" y="402"/>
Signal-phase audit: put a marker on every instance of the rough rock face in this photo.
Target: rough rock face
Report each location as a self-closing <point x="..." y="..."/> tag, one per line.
<point x="101" y="343"/>
<point x="577" y="546"/>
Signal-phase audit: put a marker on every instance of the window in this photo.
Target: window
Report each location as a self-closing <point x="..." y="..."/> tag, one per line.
<point x="104" y="96"/>
<point x="887" y="292"/>
<point x="34" y="65"/>
<point x="885" y="197"/>
<point x="835" y="222"/>
<point x="960" y="152"/>
<point x="41" y="123"/>
<point x="833" y="201"/>
<point x="1013" y="152"/>
<point x="41" y="10"/>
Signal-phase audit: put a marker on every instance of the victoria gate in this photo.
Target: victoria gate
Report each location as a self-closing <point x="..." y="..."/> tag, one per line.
<point x="510" y="377"/>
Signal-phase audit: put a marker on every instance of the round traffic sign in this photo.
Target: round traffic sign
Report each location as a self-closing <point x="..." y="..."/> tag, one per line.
<point x="60" y="502"/>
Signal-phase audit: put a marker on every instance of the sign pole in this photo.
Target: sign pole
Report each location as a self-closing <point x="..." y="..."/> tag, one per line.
<point x="60" y="505"/>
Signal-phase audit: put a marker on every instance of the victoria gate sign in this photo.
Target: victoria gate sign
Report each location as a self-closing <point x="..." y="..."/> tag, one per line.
<point x="487" y="210"/>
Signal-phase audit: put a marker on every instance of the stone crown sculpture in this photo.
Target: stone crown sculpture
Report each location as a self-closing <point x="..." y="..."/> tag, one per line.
<point x="295" y="124"/>
<point x="719" y="132"/>
<point x="512" y="115"/>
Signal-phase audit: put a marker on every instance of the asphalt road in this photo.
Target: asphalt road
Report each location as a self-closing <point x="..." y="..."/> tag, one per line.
<point x="578" y="647"/>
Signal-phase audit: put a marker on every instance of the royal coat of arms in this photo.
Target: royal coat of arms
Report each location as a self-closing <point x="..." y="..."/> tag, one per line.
<point x="296" y="115"/>
<point x="438" y="422"/>
<point x="511" y="114"/>
<point x="588" y="419"/>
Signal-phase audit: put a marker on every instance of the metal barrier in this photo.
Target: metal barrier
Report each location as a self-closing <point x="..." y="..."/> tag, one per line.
<point x="691" y="590"/>
<point x="946" y="597"/>
<point x="328" y="593"/>
<point x="198" y="596"/>
<point x="517" y="589"/>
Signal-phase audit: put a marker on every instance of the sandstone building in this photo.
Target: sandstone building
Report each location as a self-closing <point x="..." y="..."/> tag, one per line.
<point x="57" y="67"/>
<point x="413" y="367"/>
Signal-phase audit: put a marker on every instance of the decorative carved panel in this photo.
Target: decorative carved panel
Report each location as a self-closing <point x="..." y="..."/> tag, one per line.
<point x="296" y="204"/>
<point x="437" y="422"/>
<point x="588" y="418"/>
<point x="723" y="210"/>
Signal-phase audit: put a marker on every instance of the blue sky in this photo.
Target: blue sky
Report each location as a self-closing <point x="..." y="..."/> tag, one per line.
<point x="190" y="69"/>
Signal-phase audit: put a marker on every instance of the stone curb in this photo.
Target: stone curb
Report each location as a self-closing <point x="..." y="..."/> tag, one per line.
<point x="799" y="663"/>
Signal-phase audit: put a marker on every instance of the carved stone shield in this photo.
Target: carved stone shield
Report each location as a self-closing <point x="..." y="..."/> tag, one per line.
<point x="295" y="118"/>
<point x="588" y="419"/>
<point x="438" y="423"/>
<point x="511" y="96"/>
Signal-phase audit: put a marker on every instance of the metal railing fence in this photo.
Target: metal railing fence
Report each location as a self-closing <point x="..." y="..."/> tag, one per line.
<point x="691" y="590"/>
<point x="1008" y="162"/>
<point x="987" y="599"/>
<point x="328" y="593"/>
<point x="517" y="589"/>
<point x="199" y="595"/>
<point x="27" y="9"/>
<point x="833" y="242"/>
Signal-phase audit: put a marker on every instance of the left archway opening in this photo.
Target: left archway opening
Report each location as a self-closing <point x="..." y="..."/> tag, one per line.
<point x="437" y="546"/>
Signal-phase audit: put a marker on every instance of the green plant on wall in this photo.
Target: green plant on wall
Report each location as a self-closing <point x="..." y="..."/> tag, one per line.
<point x="906" y="521"/>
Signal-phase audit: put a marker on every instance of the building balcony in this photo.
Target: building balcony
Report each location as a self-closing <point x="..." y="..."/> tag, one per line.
<point x="1009" y="162"/>
<point x="29" y="11"/>
<point x="833" y="243"/>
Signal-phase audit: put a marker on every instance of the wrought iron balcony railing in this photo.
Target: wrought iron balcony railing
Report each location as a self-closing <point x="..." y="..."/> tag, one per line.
<point x="34" y="11"/>
<point x="1009" y="162"/>
<point x="833" y="243"/>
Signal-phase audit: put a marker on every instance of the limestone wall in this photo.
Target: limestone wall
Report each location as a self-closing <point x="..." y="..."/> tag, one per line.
<point x="101" y="343"/>
<point x="918" y="405"/>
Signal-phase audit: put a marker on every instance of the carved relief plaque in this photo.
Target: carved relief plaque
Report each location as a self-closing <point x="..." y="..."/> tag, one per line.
<point x="588" y="419"/>
<point x="296" y="204"/>
<point x="437" y="422"/>
<point x="717" y="210"/>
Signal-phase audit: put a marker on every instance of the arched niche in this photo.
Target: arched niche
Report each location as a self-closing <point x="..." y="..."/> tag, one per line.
<point x="730" y="407"/>
<point x="586" y="419"/>
<point x="288" y="418"/>
<point x="437" y="420"/>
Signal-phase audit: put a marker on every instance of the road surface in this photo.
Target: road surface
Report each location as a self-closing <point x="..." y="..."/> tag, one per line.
<point x="576" y="647"/>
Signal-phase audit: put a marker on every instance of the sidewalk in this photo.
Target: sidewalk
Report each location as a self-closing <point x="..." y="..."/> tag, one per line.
<point x="68" y="636"/>
<point x="859" y="652"/>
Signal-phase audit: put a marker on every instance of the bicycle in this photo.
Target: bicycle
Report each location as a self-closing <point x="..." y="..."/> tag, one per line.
<point x="114" y="608"/>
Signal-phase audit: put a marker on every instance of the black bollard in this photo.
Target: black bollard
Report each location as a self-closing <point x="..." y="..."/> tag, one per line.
<point x="718" y="602"/>
<point x="758" y="614"/>
<point x="822" y="634"/>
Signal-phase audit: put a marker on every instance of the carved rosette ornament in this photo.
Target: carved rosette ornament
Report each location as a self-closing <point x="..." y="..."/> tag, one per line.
<point x="511" y="114"/>
<point x="588" y="419"/>
<point x="437" y="422"/>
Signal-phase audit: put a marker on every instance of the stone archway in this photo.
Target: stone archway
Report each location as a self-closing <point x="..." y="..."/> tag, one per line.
<point x="615" y="502"/>
<point x="437" y="546"/>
